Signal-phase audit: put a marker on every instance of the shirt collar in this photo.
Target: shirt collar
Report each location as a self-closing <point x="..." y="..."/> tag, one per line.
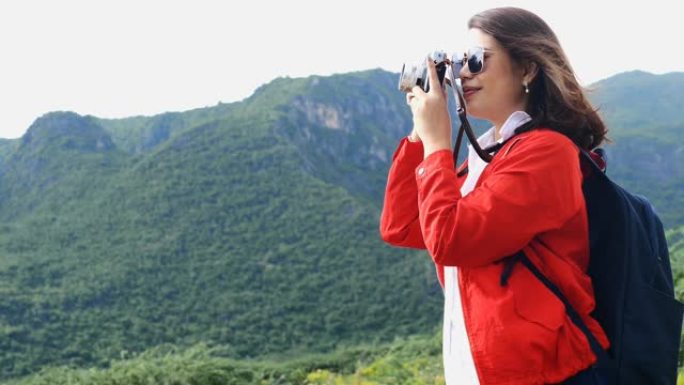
<point x="515" y="120"/>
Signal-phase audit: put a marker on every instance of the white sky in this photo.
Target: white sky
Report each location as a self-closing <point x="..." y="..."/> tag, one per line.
<point x="124" y="58"/>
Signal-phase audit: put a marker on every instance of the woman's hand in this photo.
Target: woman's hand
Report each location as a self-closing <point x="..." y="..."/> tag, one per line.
<point x="413" y="137"/>
<point x="431" y="121"/>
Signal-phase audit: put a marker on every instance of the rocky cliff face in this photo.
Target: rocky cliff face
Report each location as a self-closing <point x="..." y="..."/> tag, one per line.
<point x="347" y="127"/>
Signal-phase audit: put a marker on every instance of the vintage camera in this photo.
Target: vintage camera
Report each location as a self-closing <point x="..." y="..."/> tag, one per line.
<point x="417" y="74"/>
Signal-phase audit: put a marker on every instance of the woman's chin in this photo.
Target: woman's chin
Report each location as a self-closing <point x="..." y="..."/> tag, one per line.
<point x="474" y="112"/>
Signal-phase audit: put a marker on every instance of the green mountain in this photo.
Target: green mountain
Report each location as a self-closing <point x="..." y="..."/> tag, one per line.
<point x="212" y="225"/>
<point x="640" y="100"/>
<point x="645" y="115"/>
<point x="249" y="226"/>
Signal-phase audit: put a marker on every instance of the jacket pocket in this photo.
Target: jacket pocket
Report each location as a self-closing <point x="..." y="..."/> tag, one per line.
<point x="534" y="302"/>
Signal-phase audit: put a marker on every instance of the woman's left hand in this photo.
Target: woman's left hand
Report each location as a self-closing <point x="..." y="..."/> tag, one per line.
<point x="430" y="114"/>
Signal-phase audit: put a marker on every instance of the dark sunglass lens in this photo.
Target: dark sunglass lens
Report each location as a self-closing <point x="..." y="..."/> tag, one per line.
<point x="475" y="60"/>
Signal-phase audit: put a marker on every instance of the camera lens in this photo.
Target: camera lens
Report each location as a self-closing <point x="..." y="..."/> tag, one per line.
<point x="438" y="56"/>
<point x="411" y="75"/>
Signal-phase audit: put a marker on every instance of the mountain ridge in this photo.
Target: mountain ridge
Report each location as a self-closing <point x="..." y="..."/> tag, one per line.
<point x="253" y="224"/>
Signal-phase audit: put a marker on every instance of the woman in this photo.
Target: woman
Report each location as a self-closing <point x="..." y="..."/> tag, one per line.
<point x="528" y="198"/>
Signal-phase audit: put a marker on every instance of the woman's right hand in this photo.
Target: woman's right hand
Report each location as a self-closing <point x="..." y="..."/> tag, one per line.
<point x="430" y="114"/>
<point x="413" y="137"/>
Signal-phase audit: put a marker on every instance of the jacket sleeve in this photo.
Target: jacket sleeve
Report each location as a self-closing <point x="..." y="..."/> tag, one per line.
<point x="534" y="186"/>
<point x="399" y="225"/>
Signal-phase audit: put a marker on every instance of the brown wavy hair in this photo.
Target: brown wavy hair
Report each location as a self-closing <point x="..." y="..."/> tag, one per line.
<point x="556" y="99"/>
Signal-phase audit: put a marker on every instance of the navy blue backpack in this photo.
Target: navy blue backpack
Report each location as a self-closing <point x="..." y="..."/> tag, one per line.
<point x="632" y="278"/>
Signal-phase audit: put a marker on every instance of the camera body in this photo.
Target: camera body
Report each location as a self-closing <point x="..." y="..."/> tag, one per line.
<point x="417" y="74"/>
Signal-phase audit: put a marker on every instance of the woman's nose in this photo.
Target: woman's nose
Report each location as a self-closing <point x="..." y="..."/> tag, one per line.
<point x="464" y="72"/>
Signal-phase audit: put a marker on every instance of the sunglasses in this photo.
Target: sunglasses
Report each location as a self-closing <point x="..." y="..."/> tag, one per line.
<point x="474" y="59"/>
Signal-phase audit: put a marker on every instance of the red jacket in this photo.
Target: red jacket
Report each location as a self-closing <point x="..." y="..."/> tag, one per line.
<point x="529" y="197"/>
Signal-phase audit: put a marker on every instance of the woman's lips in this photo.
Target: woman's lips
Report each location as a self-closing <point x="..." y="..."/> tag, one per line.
<point x="469" y="91"/>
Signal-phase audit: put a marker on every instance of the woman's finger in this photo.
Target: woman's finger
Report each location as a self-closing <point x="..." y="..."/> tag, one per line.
<point x="415" y="97"/>
<point x="434" y="79"/>
<point x="418" y="91"/>
<point x="432" y="73"/>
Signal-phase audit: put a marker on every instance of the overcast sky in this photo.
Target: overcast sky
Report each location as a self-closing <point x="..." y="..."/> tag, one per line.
<point x="124" y="58"/>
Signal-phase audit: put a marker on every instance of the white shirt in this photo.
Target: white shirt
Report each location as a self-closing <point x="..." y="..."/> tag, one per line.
<point x="459" y="367"/>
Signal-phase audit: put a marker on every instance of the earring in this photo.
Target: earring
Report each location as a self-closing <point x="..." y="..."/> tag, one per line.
<point x="527" y="90"/>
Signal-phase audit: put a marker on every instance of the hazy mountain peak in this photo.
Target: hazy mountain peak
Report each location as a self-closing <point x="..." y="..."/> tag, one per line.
<point x="67" y="130"/>
<point x="639" y="99"/>
<point x="641" y="78"/>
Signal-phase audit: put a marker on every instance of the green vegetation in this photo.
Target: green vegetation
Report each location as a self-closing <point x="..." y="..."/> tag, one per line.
<point x="219" y="241"/>
<point x="412" y="360"/>
<point x="219" y="233"/>
<point x="675" y="241"/>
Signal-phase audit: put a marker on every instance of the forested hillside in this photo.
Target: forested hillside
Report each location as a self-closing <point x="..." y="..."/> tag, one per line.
<point x="251" y="228"/>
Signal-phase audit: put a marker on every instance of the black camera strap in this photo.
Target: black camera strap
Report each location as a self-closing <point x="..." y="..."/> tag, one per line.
<point x="465" y="126"/>
<point x="486" y="154"/>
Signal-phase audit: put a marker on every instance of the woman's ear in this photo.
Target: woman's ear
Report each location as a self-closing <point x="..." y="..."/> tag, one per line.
<point x="530" y="72"/>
